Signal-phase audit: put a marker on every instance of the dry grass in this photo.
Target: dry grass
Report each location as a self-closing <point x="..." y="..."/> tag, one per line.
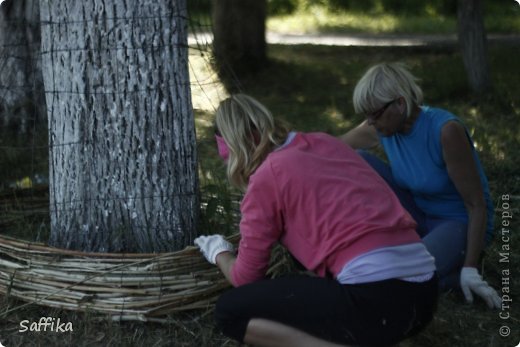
<point x="182" y="329"/>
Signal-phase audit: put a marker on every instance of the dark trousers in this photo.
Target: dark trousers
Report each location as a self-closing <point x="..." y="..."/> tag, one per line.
<point x="374" y="314"/>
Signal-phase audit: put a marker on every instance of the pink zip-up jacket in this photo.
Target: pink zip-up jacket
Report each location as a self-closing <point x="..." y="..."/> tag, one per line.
<point x="323" y="202"/>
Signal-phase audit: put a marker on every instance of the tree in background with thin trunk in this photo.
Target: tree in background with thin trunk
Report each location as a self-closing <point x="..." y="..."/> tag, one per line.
<point x="473" y="43"/>
<point x="239" y="44"/>
<point x="22" y="105"/>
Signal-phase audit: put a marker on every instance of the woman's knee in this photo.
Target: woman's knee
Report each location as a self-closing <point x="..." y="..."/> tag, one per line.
<point x="446" y="242"/>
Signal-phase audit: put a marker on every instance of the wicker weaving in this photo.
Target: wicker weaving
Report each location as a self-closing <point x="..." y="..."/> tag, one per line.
<point x="127" y="286"/>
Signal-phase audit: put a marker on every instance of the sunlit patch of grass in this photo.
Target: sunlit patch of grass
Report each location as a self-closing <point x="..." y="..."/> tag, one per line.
<point x="206" y="88"/>
<point x="320" y="20"/>
<point x="307" y="23"/>
<point x="206" y="93"/>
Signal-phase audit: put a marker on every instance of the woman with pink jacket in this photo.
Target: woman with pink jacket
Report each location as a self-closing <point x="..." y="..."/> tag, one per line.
<point x="375" y="281"/>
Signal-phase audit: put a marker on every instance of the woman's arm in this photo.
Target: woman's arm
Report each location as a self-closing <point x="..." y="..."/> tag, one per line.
<point x="261" y="226"/>
<point x="225" y="262"/>
<point x="462" y="170"/>
<point x="364" y="136"/>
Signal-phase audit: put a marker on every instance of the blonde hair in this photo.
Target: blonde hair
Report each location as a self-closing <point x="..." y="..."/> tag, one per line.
<point x="251" y="133"/>
<point x="383" y="83"/>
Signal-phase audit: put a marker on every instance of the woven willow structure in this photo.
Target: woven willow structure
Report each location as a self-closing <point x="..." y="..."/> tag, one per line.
<point x="126" y="286"/>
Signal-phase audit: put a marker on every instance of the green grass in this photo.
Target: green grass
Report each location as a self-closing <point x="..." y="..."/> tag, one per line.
<point x="322" y="21"/>
<point x="311" y="88"/>
<point x="318" y="19"/>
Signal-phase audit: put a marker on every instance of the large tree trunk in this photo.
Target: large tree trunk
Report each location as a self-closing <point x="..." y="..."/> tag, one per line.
<point x="239" y="36"/>
<point x="473" y="42"/>
<point x="21" y="86"/>
<point x="123" y="173"/>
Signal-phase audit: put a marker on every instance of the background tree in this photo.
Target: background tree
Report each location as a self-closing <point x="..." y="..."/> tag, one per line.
<point x="21" y="86"/>
<point x="123" y="166"/>
<point x="239" y="44"/>
<point x="473" y="43"/>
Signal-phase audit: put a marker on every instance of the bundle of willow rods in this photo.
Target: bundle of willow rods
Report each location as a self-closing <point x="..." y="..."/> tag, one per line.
<point x="126" y="286"/>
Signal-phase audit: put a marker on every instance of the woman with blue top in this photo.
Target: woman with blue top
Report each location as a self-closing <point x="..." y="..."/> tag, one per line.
<point x="434" y="170"/>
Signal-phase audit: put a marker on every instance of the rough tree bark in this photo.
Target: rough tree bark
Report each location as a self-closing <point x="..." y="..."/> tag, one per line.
<point x="21" y="86"/>
<point x="123" y="172"/>
<point x="239" y="44"/>
<point x="473" y="43"/>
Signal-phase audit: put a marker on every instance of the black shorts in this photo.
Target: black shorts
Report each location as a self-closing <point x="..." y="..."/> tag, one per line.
<point x="377" y="313"/>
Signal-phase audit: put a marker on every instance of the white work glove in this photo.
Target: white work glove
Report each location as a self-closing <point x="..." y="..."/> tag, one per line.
<point x="470" y="280"/>
<point x="213" y="245"/>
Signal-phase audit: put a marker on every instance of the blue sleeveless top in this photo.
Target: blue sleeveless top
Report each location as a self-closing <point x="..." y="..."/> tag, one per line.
<point x="417" y="165"/>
